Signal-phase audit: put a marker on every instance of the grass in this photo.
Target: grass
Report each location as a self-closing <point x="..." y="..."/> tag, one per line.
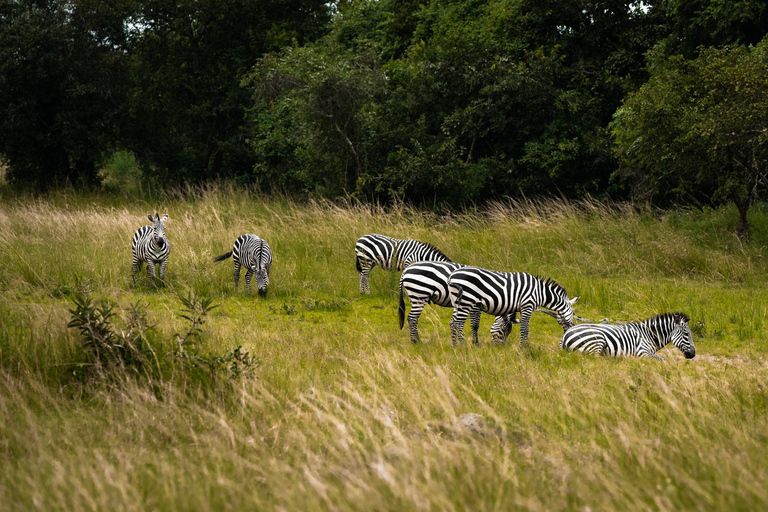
<point x="343" y="413"/>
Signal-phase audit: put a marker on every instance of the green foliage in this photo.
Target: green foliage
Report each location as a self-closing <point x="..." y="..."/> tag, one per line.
<point x="108" y="349"/>
<point x="186" y="102"/>
<point x="450" y="102"/>
<point x="313" y="120"/>
<point x="696" y="130"/>
<point x="234" y="363"/>
<point x="195" y="311"/>
<point x="61" y="93"/>
<point x="121" y="174"/>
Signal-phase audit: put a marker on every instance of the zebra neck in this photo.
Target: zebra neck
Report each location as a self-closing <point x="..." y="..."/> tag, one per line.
<point x="656" y="341"/>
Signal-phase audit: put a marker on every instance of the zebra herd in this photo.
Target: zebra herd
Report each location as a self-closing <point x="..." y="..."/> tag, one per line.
<point x="428" y="275"/>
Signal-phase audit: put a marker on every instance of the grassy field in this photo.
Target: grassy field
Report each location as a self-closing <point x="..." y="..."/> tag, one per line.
<point x="340" y="410"/>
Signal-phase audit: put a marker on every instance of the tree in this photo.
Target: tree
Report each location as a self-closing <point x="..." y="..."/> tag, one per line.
<point x="312" y="119"/>
<point x="61" y="91"/>
<point x="698" y="130"/>
<point x="188" y="58"/>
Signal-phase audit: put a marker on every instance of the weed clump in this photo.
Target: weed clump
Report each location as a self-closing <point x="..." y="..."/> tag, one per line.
<point x="107" y="348"/>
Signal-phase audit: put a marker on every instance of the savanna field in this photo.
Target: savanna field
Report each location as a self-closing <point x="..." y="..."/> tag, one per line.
<point x="313" y="399"/>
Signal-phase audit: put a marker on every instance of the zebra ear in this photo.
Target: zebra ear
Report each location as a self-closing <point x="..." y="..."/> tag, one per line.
<point x="165" y="217"/>
<point x="151" y="218"/>
<point x="574" y="300"/>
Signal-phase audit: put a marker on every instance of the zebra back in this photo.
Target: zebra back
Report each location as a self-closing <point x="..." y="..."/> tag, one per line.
<point x="426" y="281"/>
<point x="393" y="253"/>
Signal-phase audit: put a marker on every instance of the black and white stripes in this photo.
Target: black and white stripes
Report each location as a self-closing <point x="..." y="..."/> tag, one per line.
<point x="641" y="339"/>
<point x="254" y="254"/>
<point x="151" y="246"/>
<point x="427" y="281"/>
<point x="504" y="293"/>
<point x="390" y="254"/>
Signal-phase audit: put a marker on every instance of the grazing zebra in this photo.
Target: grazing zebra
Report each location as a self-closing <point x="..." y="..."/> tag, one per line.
<point x="641" y="339"/>
<point x="427" y="281"/>
<point x="503" y="293"/>
<point x="390" y="254"/>
<point x="255" y="255"/>
<point x="150" y="246"/>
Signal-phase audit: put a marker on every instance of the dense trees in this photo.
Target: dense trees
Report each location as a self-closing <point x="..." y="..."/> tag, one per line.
<point x="425" y="100"/>
<point x="61" y="93"/>
<point x="698" y="130"/>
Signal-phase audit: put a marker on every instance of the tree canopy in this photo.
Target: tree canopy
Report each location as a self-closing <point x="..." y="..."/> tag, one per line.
<point x="698" y="130"/>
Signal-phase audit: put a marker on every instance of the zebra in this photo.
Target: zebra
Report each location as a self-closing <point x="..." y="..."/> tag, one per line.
<point x="151" y="246"/>
<point x="641" y="338"/>
<point x="503" y="293"/>
<point x="427" y="281"/>
<point x="255" y="255"/>
<point x="390" y="254"/>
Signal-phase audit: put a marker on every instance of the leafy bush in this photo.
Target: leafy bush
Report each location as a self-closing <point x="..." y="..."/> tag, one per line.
<point x="233" y="363"/>
<point x="121" y="173"/>
<point x="106" y="348"/>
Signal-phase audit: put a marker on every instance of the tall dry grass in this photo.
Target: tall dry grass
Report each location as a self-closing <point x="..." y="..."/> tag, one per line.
<point x="344" y="413"/>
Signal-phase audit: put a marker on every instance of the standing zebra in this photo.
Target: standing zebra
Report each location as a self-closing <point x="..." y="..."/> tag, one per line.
<point x="503" y="293"/>
<point x="255" y="255"/>
<point x="390" y="254"/>
<point x="151" y="246"/>
<point x="427" y="281"/>
<point x="641" y="339"/>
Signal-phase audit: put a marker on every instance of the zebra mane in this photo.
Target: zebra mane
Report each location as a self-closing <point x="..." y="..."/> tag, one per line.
<point x="556" y="287"/>
<point x="438" y="251"/>
<point x="677" y="317"/>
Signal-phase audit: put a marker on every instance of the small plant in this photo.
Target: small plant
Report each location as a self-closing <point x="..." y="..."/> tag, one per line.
<point x="195" y="310"/>
<point x="105" y="346"/>
<point x="235" y="363"/>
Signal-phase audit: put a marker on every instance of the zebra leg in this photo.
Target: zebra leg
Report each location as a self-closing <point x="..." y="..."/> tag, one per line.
<point x="413" y="319"/>
<point x="248" y="276"/>
<point x="474" y="323"/>
<point x="365" y="270"/>
<point x="134" y="268"/>
<point x="151" y="273"/>
<point x="162" y="272"/>
<point x="237" y="274"/>
<point x="525" y="317"/>
<point x="364" y="266"/>
<point x="458" y="320"/>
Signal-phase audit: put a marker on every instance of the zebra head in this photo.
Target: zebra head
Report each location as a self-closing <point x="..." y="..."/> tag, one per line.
<point x="565" y="313"/>
<point x="262" y="278"/>
<point x="502" y="327"/>
<point x="158" y="227"/>
<point x="680" y="336"/>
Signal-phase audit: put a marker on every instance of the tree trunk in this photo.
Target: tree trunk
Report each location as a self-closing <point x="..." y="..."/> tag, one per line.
<point x="743" y="231"/>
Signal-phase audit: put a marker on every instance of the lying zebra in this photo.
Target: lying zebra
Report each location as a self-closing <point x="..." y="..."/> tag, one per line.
<point x="641" y="339"/>
<point x="390" y="254"/>
<point x="427" y="281"/>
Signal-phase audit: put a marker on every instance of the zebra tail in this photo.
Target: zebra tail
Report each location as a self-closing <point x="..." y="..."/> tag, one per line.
<point x="401" y="307"/>
<point x="458" y="295"/>
<point x="222" y="257"/>
<point x="357" y="264"/>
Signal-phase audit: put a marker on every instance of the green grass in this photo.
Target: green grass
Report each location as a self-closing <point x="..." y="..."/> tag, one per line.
<point x="343" y="412"/>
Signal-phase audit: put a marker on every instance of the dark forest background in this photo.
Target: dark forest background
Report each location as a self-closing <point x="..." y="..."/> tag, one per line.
<point x="432" y="102"/>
